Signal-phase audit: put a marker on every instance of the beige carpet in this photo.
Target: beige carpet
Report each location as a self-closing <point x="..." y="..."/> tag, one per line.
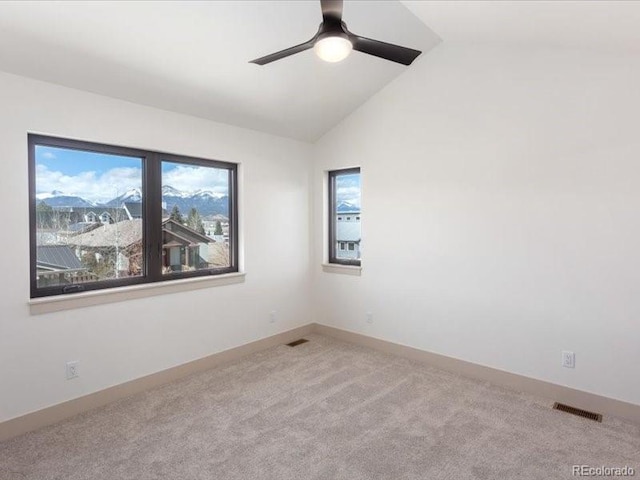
<point x="322" y="410"/>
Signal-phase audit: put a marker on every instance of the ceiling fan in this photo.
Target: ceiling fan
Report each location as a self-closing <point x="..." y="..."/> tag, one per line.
<point x="333" y="42"/>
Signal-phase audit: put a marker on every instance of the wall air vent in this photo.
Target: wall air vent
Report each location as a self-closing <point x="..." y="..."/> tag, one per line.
<point x="577" y="411"/>
<point x="297" y="342"/>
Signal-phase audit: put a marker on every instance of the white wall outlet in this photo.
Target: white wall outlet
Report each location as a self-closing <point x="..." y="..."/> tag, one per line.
<point x="72" y="370"/>
<point x="273" y="316"/>
<point x="568" y="359"/>
<point x="369" y="317"/>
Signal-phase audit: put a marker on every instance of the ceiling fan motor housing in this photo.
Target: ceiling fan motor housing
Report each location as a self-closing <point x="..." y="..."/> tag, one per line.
<point x="332" y="29"/>
<point x="333" y="32"/>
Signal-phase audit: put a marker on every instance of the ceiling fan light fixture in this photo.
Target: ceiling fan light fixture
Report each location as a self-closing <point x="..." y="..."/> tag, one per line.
<point x="333" y="42"/>
<point x="333" y="48"/>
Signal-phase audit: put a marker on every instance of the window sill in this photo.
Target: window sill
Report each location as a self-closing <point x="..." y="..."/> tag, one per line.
<point x="353" y="270"/>
<point x="57" y="303"/>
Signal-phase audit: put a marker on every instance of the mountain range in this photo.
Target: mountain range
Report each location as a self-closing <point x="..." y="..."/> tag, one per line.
<point x="343" y="207"/>
<point x="205" y="201"/>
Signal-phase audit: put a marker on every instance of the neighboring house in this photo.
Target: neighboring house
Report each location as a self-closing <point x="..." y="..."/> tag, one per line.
<point x="116" y="245"/>
<point x="105" y="217"/>
<point x="115" y="250"/>
<point x="102" y="214"/>
<point x="62" y="217"/>
<point x="183" y="248"/>
<point x="348" y="235"/>
<point x="58" y="265"/>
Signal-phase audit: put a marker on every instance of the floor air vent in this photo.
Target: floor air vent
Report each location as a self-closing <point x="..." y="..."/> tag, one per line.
<point x="577" y="411"/>
<point x="297" y="342"/>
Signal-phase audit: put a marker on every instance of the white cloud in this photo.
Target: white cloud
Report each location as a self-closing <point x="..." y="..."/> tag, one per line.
<point x="189" y="178"/>
<point x="349" y="194"/>
<point x="103" y="187"/>
<point x="88" y="185"/>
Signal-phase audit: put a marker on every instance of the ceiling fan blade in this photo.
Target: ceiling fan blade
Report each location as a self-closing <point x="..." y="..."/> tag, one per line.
<point x="331" y="10"/>
<point x="388" y="51"/>
<point x="284" y="53"/>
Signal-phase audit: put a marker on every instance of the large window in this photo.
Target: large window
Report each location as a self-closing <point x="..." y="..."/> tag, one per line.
<point x="344" y="216"/>
<point x="103" y="216"/>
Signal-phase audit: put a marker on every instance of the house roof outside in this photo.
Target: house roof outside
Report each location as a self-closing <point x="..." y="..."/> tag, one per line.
<point x="134" y="209"/>
<point x="129" y="232"/>
<point x="57" y="257"/>
<point x="82" y="227"/>
<point x="184" y="232"/>
<point x="121" y="234"/>
<point x="173" y="239"/>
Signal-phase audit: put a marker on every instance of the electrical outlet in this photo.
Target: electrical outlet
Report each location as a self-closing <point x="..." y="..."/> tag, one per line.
<point x="568" y="359"/>
<point x="72" y="370"/>
<point x="369" y="317"/>
<point x="273" y="317"/>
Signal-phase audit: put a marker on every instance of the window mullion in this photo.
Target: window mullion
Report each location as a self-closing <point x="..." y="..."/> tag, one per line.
<point x="153" y="217"/>
<point x="233" y="218"/>
<point x="332" y="225"/>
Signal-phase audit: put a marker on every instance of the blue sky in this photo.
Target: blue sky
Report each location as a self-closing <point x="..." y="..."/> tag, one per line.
<point x="74" y="162"/>
<point x="100" y="177"/>
<point x="348" y="189"/>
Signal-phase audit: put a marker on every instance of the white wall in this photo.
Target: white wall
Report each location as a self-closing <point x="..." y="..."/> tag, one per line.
<point x="121" y="341"/>
<point x="500" y="222"/>
<point x="500" y="213"/>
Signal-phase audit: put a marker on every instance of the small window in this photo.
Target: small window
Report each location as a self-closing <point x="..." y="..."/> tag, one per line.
<point x="103" y="216"/>
<point x="344" y="196"/>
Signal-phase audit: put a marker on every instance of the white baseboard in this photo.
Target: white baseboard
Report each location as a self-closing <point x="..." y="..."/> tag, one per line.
<point x="56" y="413"/>
<point x="540" y="388"/>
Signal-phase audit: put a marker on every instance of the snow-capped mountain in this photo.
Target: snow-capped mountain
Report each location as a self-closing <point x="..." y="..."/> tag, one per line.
<point x="347" y="207"/>
<point x="205" y="201"/>
<point x="133" y="195"/>
<point x="206" y="194"/>
<point x="59" y="199"/>
<point x="169" y="191"/>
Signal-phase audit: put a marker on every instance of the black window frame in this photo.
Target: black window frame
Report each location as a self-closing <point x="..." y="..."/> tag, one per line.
<point x="152" y="215"/>
<point x="331" y="181"/>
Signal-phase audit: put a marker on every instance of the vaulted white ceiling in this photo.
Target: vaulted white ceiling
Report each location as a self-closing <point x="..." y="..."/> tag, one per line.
<point x="604" y="25"/>
<point x="192" y="57"/>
